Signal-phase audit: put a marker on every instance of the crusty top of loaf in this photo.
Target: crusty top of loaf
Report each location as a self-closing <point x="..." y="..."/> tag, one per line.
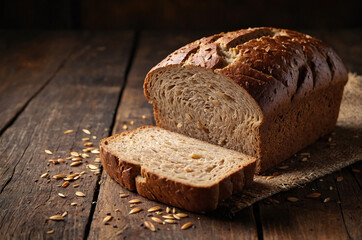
<point x="275" y="66"/>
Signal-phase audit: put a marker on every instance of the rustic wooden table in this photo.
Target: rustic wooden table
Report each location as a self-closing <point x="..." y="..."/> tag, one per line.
<point x="51" y="82"/>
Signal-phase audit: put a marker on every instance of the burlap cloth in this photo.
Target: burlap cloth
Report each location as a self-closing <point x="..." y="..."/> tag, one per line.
<point x="328" y="154"/>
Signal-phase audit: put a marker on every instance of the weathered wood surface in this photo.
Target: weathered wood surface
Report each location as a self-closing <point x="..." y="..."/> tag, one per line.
<point x="82" y="91"/>
<point x="28" y="61"/>
<point x="83" y="94"/>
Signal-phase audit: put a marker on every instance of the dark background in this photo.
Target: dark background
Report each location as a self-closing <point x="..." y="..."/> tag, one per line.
<point x="178" y="14"/>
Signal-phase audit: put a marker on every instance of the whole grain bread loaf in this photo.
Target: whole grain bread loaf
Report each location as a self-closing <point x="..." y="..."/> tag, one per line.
<point x="265" y="92"/>
<point x="175" y="169"/>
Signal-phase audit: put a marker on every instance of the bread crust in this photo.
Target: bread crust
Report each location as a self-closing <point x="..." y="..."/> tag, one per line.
<point x="268" y="67"/>
<point x="281" y="70"/>
<point x="190" y="197"/>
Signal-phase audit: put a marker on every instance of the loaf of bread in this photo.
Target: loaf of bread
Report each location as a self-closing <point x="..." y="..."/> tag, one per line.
<point x="175" y="169"/>
<point x="265" y="92"/>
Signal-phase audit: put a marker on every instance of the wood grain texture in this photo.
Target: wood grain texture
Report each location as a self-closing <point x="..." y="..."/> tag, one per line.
<point x="28" y="61"/>
<point x="350" y="197"/>
<point x="152" y="48"/>
<point x="82" y="95"/>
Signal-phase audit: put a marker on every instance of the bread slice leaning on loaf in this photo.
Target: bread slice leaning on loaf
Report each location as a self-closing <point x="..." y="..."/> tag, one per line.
<point x="175" y="169"/>
<point x="265" y="92"/>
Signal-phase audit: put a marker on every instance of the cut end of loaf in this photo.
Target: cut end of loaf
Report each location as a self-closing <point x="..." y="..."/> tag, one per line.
<point x="175" y="169"/>
<point x="201" y="103"/>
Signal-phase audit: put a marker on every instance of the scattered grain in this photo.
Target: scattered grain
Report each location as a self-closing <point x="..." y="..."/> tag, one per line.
<point x="134" y="201"/>
<point x="314" y="195"/>
<point x="123" y="195"/>
<point x="131" y="122"/>
<point x="96" y="151"/>
<point x="124" y="127"/>
<point x="92" y="167"/>
<point x="173" y="210"/>
<point x="154" y="209"/>
<point x="97" y="160"/>
<point x="59" y="176"/>
<point x="157" y="220"/>
<point x="144" y="116"/>
<point x="60" y="160"/>
<point x="176" y="217"/>
<point x="73" y="164"/>
<point x="48" y="152"/>
<point x="330" y="188"/>
<point x="339" y="179"/>
<point x="150" y="226"/>
<point x="304" y="159"/>
<point x="179" y="125"/>
<point x="44" y="175"/>
<point x="326" y="199"/>
<point x="56" y="218"/>
<point x="68" y="131"/>
<point x="50" y="231"/>
<point x="88" y="144"/>
<point x="283" y="167"/>
<point x="85" y="139"/>
<point x="107" y="219"/>
<point x="62" y="195"/>
<point x="186" y="225"/>
<point x="168" y="216"/>
<point x="74" y="154"/>
<point x="135" y="210"/>
<point x="65" y="184"/>
<point x="80" y="194"/>
<point x="86" y="131"/>
<point x="171" y="221"/>
<point x="292" y="199"/>
<point x="77" y="159"/>
<point x="73" y="204"/>
<point x="168" y="210"/>
<point x="64" y="214"/>
<point x="182" y="215"/>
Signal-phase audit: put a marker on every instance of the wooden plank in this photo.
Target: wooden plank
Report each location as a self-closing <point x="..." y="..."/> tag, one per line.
<point x="82" y="95"/>
<point x="28" y="61"/>
<point x="154" y="47"/>
<point x="307" y="218"/>
<point x="311" y="218"/>
<point x="350" y="197"/>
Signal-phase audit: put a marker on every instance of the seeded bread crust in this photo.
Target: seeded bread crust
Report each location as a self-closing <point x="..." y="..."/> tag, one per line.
<point x="160" y="188"/>
<point x="288" y="74"/>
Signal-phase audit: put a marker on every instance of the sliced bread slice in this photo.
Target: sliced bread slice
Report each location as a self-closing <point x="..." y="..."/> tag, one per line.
<point x="175" y="169"/>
